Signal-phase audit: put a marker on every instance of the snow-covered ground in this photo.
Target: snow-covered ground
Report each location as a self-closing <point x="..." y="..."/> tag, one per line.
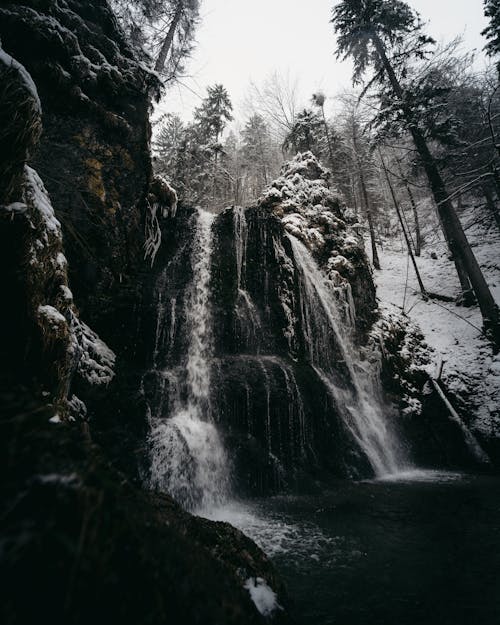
<point x="452" y="332"/>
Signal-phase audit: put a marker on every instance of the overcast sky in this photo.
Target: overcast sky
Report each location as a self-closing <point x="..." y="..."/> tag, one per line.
<point x="242" y="40"/>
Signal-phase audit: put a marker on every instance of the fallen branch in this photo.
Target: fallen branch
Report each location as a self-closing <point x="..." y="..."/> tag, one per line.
<point x="469" y="438"/>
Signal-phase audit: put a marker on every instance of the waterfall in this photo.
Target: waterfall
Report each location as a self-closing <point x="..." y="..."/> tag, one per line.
<point x="327" y="331"/>
<point x="188" y="459"/>
<point x="254" y="343"/>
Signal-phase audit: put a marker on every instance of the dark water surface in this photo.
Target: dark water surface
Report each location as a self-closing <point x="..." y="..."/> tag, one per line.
<point x="417" y="551"/>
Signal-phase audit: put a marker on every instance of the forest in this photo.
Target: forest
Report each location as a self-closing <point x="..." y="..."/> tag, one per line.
<point x="250" y="364"/>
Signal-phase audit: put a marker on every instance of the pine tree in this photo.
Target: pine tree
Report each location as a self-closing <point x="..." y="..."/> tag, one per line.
<point x="492" y="31"/>
<point x="305" y="135"/>
<point x="161" y="31"/>
<point x="168" y="144"/>
<point x="214" y="113"/>
<point x="387" y="35"/>
<point x="211" y="117"/>
<point x="256" y="152"/>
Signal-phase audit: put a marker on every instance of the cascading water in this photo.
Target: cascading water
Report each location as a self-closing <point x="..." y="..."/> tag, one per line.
<point x="188" y="459"/>
<point x="359" y="400"/>
<point x="255" y="343"/>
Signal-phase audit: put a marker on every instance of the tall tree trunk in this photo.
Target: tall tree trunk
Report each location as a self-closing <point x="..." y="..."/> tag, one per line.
<point x="418" y="234"/>
<point x="413" y="204"/>
<point x="328" y="139"/>
<point x="366" y="201"/>
<point x="353" y="192"/>
<point x="467" y="295"/>
<point x="368" y="212"/>
<point x="169" y="39"/>
<point x="459" y="244"/>
<point x="493" y="135"/>
<point x="403" y="228"/>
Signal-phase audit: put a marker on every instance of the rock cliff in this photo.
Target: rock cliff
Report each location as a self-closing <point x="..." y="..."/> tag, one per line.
<point x="77" y="205"/>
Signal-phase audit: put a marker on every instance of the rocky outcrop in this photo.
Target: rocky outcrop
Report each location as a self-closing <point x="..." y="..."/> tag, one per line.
<point x="94" y="152"/>
<point x="312" y="211"/>
<point x="59" y="347"/>
<point x="93" y="157"/>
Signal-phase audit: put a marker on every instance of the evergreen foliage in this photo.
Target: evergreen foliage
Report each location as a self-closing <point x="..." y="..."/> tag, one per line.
<point x="161" y="32"/>
<point x="492" y="31"/>
<point x="305" y="135"/>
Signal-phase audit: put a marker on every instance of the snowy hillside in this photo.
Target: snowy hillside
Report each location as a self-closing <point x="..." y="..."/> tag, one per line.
<point x="470" y="369"/>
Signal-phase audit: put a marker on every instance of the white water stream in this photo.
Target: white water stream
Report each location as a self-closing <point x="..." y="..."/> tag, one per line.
<point x="360" y="406"/>
<point x="188" y="459"/>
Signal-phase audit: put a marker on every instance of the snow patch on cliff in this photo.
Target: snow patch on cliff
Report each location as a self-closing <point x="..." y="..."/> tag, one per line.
<point x="52" y="317"/>
<point x="86" y="354"/>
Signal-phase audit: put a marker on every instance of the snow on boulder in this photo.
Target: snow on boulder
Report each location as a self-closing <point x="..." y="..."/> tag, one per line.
<point x="310" y="210"/>
<point x="20" y="129"/>
<point x="264" y="598"/>
<point x="37" y="196"/>
<point x="52" y="319"/>
<point x="75" y="347"/>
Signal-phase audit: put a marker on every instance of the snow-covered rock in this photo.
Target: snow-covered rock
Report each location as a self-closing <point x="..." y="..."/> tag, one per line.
<point x="315" y="214"/>
<point x="28" y="83"/>
<point x="264" y="598"/>
<point x="95" y="360"/>
<point x="301" y="197"/>
<point x="78" y="350"/>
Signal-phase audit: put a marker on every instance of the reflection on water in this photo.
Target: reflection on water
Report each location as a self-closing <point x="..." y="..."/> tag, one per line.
<point x="420" y="548"/>
<point x="421" y="475"/>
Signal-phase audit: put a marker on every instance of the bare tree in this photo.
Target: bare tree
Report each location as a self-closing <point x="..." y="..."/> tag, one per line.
<point x="276" y="100"/>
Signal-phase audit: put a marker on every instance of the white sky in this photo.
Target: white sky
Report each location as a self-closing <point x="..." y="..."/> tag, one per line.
<point x="241" y="40"/>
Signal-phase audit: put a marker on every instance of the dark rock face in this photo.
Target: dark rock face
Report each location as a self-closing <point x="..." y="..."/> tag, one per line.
<point x="93" y="157"/>
<point x="94" y="152"/>
<point x="90" y="547"/>
<point x="90" y="544"/>
<point x="283" y="425"/>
